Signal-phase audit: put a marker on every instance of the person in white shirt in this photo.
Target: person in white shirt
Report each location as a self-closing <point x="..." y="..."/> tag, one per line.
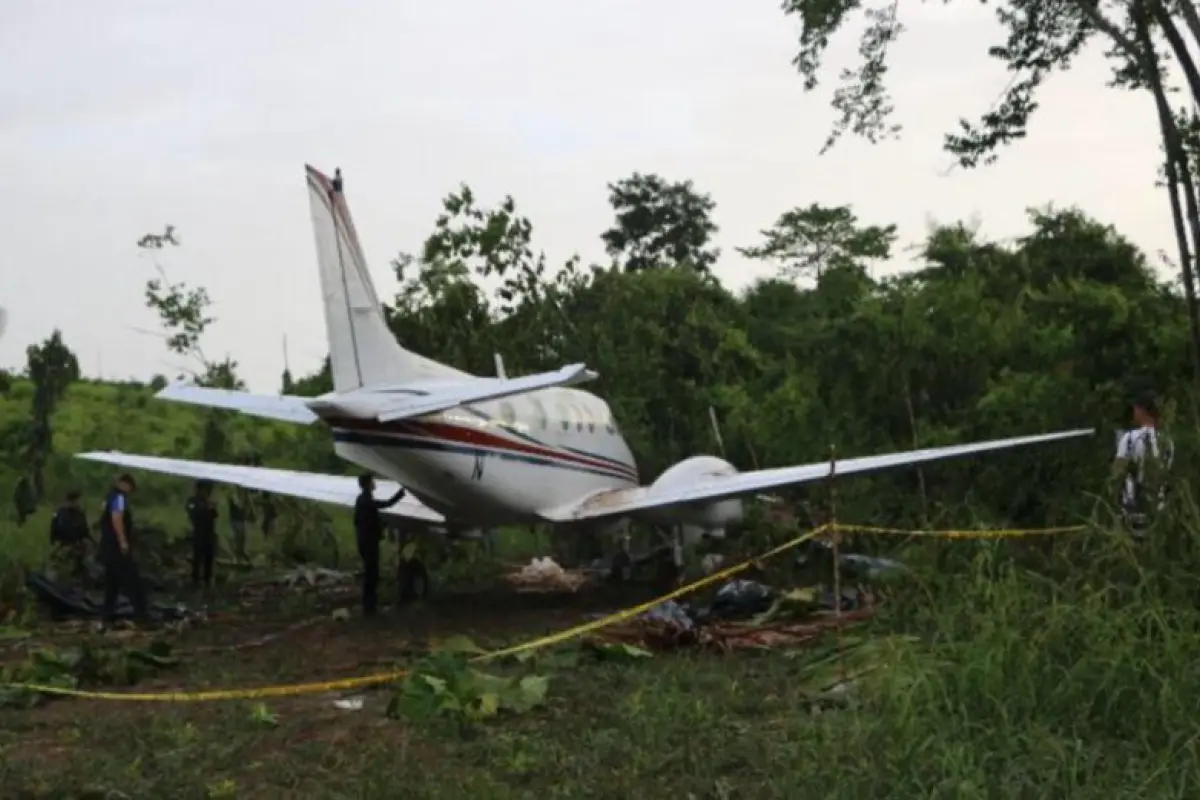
<point x="1142" y="465"/>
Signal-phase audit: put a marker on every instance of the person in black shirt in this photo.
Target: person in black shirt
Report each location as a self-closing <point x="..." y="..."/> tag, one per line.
<point x="116" y="552"/>
<point x="202" y="513"/>
<point x="368" y="530"/>
<point x="70" y="533"/>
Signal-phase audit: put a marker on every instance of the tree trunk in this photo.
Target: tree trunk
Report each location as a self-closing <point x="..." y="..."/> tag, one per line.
<point x="1178" y="176"/>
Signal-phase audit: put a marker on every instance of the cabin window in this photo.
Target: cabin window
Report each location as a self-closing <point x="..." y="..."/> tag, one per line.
<point x="578" y="417"/>
<point x="591" y="418"/>
<point x="508" y="414"/>
<point x="539" y="413"/>
<point x="564" y="415"/>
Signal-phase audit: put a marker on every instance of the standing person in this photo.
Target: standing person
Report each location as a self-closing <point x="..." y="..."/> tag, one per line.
<point x="70" y="533"/>
<point x="1142" y="465"/>
<point x="202" y="513"/>
<point x="116" y="552"/>
<point x="368" y="530"/>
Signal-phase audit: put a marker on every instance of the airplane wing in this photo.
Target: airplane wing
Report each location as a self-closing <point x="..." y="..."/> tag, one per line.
<point x="336" y="489"/>
<point x="621" y="502"/>
<point x="412" y="400"/>
<point x="280" y="407"/>
<point x="480" y="390"/>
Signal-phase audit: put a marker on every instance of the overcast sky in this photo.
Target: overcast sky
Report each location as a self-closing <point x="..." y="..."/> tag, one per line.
<point x="117" y="117"/>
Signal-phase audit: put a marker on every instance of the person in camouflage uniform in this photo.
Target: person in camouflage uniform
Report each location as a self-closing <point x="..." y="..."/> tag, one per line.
<point x="70" y="534"/>
<point x="1142" y="467"/>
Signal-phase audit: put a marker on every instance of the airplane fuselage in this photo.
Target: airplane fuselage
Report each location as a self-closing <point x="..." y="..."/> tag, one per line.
<point x="495" y="462"/>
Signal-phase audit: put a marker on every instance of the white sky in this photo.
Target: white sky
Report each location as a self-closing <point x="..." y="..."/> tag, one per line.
<point x="117" y="117"/>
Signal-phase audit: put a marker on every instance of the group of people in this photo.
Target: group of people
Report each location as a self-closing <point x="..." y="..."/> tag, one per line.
<point x="71" y="537"/>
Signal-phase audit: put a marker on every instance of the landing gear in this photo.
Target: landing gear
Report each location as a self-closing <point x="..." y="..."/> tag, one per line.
<point x="621" y="570"/>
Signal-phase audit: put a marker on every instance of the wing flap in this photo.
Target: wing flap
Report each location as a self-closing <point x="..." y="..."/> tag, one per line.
<point x="335" y="489"/>
<point x="483" y="389"/>
<point x="278" y="407"/>
<point x="621" y="502"/>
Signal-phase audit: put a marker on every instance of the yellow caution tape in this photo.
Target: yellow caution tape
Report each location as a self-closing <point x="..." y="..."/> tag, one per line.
<point x="293" y="690"/>
<point x="221" y="694"/>
<point x="960" y="534"/>
<point x="387" y="677"/>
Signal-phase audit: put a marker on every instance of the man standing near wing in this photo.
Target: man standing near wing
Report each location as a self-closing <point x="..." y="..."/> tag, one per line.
<point x="368" y="530"/>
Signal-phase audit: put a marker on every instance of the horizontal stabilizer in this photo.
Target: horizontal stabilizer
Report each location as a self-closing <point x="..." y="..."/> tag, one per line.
<point x="339" y="490"/>
<point x="278" y="406"/>
<point x="622" y="502"/>
<point x="480" y="390"/>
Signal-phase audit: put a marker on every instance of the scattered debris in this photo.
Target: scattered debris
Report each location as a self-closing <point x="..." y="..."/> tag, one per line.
<point x="353" y="703"/>
<point x="64" y="601"/>
<point x="669" y="612"/>
<point x="545" y="575"/>
<point x="740" y="598"/>
<point x="314" y="576"/>
<point x="744" y="614"/>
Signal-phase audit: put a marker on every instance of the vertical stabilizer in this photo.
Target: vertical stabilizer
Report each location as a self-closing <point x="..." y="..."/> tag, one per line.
<point x="362" y="350"/>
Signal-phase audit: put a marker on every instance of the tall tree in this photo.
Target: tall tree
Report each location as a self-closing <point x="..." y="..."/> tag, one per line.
<point x="51" y="367"/>
<point x="805" y="242"/>
<point x="660" y="224"/>
<point x="184" y="313"/>
<point x="1042" y="37"/>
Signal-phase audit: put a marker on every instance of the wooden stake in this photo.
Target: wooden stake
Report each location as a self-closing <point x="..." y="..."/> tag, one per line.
<point x="837" y="572"/>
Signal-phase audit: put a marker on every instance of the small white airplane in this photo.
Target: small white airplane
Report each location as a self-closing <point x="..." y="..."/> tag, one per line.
<point x="479" y="452"/>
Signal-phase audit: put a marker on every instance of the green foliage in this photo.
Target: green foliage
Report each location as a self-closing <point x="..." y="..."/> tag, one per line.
<point x="444" y="684"/>
<point x="80" y="666"/>
<point x="183" y="312"/>
<point x="807" y="241"/>
<point x="981" y="340"/>
<point x="660" y="224"/>
<point x="52" y="367"/>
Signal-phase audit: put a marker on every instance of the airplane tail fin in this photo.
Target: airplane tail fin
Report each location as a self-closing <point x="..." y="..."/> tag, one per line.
<point x="363" y="353"/>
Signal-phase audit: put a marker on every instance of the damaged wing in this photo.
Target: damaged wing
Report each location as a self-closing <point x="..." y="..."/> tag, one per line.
<point x="336" y="489"/>
<point x="622" y="502"/>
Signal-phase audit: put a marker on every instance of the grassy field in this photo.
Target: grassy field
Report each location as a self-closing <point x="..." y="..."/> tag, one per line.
<point x="1072" y="676"/>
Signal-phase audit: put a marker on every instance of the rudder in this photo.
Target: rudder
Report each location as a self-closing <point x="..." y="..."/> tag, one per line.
<point x="362" y="350"/>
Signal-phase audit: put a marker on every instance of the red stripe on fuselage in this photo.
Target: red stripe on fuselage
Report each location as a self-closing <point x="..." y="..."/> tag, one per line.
<point x="478" y="438"/>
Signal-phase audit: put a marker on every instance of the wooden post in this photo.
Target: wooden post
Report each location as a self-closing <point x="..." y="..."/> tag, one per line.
<point x="837" y="572"/>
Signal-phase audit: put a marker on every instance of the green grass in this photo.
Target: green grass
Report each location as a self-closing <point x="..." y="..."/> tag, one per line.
<point x="1075" y="679"/>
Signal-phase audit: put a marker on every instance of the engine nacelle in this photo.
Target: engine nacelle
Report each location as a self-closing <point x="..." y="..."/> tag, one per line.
<point x="701" y="518"/>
